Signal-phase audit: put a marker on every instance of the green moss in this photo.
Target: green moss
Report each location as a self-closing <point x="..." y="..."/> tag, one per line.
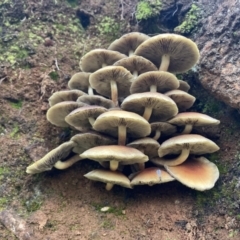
<point x="33" y="205"/>
<point x="54" y="75"/>
<point x="73" y="3"/>
<point x="17" y="104"/>
<point x="147" y="9"/>
<point x="108" y="27"/>
<point x="15" y="132"/>
<point x="114" y="210"/>
<point x="3" y="202"/>
<point x="190" y="21"/>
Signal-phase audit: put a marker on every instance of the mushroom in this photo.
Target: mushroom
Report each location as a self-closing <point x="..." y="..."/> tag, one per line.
<point x="154" y="81"/>
<point x="183" y="145"/>
<point x="57" y="113"/>
<point x="190" y="119"/>
<point x="197" y="173"/>
<point x="47" y="162"/>
<point x="184" y="86"/>
<point x="119" y="123"/>
<point x="152" y="106"/>
<point x="183" y="100"/>
<point x="66" y="95"/>
<point x="136" y="65"/>
<point x="115" y="154"/>
<point x="109" y="177"/>
<point x="99" y="58"/>
<point x="83" y="118"/>
<point x="162" y="127"/>
<point x="170" y="52"/>
<point x="151" y="176"/>
<point x="128" y="43"/>
<point x="112" y="82"/>
<point x="80" y="81"/>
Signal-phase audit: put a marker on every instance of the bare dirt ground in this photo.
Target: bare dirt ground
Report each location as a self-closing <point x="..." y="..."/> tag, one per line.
<point x="39" y="54"/>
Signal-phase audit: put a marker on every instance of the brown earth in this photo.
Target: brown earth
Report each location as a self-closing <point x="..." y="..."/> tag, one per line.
<point x="63" y="204"/>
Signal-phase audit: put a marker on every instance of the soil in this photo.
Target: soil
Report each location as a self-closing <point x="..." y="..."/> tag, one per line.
<point x="63" y="204"/>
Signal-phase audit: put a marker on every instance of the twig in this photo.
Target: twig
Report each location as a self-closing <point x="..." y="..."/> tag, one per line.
<point x="56" y="64"/>
<point x="2" y="79"/>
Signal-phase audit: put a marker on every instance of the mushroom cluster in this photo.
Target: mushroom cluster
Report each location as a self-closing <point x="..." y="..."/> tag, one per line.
<point x="130" y="109"/>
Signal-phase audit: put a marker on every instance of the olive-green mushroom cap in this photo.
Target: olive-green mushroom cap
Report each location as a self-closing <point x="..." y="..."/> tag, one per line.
<point x="197" y="173"/>
<point x="181" y="52"/>
<point x="163" y="107"/>
<point x="98" y="58"/>
<point x="128" y="43"/>
<point x="66" y="95"/>
<point x="154" y="81"/>
<point x="57" y="113"/>
<point x="80" y="81"/>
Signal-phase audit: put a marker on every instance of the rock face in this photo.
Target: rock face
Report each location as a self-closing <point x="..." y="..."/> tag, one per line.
<point x="219" y="43"/>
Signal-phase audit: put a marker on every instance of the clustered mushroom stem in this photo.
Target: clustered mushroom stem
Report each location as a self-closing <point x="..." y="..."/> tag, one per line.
<point x="135" y="74"/>
<point x="114" y="92"/>
<point x="165" y="61"/>
<point x="187" y="129"/>
<point x="178" y="160"/>
<point x="114" y="165"/>
<point x="147" y="113"/>
<point x="91" y="120"/>
<point x="104" y="65"/>
<point x="122" y="135"/>
<point x="109" y="186"/>
<point x="153" y="88"/>
<point x="68" y="163"/>
<point x="157" y="135"/>
<point x="141" y="166"/>
<point x="90" y="91"/>
<point x="130" y="53"/>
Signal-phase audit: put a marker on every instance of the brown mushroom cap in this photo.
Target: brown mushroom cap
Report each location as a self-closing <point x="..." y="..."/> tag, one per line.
<point x="184" y="86"/>
<point x="151" y="176"/>
<point x="151" y="105"/>
<point x="190" y="119"/>
<point x="84" y="117"/>
<point x="98" y="58"/>
<point x="183" y="100"/>
<point x="57" y="113"/>
<point x="154" y="81"/>
<point x="128" y="43"/>
<point x="170" y="52"/>
<point x="66" y="95"/>
<point x="196" y="173"/>
<point x="109" y="177"/>
<point x="112" y="82"/>
<point x="136" y="65"/>
<point x="162" y="127"/>
<point x="115" y="154"/>
<point x="96" y="100"/>
<point x="116" y="122"/>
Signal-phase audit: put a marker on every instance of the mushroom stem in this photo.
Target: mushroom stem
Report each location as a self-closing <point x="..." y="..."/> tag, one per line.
<point x="122" y="135"/>
<point x="90" y="91"/>
<point x="157" y="135"/>
<point x="109" y="186"/>
<point x="114" y="165"/>
<point x="104" y="65"/>
<point x="68" y="163"/>
<point x="135" y="74"/>
<point x="147" y="113"/>
<point x="91" y="120"/>
<point x="114" y="92"/>
<point x="153" y="88"/>
<point x="130" y="53"/>
<point x="165" y="61"/>
<point x="187" y="129"/>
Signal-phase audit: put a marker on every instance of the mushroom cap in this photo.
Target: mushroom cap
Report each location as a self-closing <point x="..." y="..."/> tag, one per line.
<point x="136" y="63"/>
<point x="196" y="143"/>
<point x="79" y="81"/>
<point x="79" y="118"/>
<point x="183" y="99"/>
<point x="183" y="52"/>
<point x="101" y="79"/>
<point x="95" y="59"/>
<point x="146" y="145"/>
<point x="128" y="42"/>
<point x="163" y="106"/>
<point x="57" y="113"/>
<point x="184" y="86"/>
<point x="96" y="100"/>
<point x="107" y="176"/>
<point x="115" y="152"/>
<point x="197" y="173"/>
<point x="164" y="81"/>
<point x="65" y="95"/>
<point x="109" y="122"/>
<point x="194" y="118"/>
<point x="85" y="141"/>
<point x="151" y="176"/>
<point x="163" y="127"/>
